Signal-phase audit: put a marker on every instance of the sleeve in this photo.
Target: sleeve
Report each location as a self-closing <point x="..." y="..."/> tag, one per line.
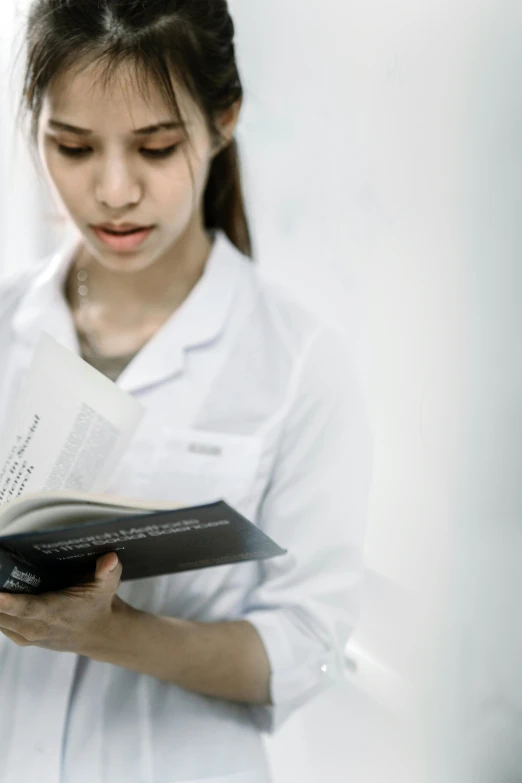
<point x="306" y="603"/>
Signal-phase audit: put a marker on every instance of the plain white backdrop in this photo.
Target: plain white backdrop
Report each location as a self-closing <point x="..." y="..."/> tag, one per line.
<point x="382" y="165"/>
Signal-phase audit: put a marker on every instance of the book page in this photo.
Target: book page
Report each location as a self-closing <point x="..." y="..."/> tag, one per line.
<point x="41" y="510"/>
<point x="70" y="428"/>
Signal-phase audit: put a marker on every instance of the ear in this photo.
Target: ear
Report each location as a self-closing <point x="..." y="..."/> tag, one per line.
<point x="227" y="122"/>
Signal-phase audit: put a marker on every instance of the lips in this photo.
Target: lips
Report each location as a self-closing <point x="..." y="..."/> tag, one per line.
<point x="122" y="238"/>
<point x="122" y="229"/>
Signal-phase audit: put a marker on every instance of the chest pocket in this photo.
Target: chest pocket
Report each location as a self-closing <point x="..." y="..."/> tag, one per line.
<point x="199" y="466"/>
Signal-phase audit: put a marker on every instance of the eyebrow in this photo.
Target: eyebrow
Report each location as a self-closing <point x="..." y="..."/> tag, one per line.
<point x="150" y="129"/>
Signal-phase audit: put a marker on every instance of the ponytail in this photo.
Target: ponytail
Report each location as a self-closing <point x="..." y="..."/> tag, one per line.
<point x="224" y="200"/>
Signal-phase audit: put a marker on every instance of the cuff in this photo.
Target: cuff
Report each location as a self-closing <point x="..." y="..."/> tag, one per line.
<point x="300" y="668"/>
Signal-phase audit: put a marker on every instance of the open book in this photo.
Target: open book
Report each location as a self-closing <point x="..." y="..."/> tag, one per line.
<point x="71" y="427"/>
<point x="51" y="541"/>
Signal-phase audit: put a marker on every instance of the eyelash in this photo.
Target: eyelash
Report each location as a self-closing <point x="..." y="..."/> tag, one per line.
<point x="81" y="152"/>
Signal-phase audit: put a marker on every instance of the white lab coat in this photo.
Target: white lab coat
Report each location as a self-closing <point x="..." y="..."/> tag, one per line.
<point x="242" y="367"/>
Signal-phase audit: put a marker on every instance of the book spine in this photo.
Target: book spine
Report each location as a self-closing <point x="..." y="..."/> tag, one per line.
<point x="16" y="576"/>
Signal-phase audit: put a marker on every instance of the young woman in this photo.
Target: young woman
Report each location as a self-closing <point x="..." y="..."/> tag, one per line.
<point x="248" y="396"/>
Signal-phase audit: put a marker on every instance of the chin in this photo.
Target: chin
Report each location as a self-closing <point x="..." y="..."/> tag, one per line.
<point x="129" y="261"/>
<point x="126" y="262"/>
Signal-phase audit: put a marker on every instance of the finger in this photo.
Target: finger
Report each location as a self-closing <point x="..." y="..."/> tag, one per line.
<point x="25" y="628"/>
<point x="108" y="571"/>
<point x="23" y="606"/>
<point x="21" y="641"/>
<point x="8" y="623"/>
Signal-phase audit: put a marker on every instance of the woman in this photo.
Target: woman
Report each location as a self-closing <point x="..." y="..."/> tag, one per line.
<point x="248" y="396"/>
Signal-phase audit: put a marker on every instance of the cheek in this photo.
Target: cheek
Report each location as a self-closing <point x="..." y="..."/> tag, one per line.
<point x="178" y="188"/>
<point x="69" y="185"/>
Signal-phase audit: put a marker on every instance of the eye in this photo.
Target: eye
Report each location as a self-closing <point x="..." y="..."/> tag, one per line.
<point x="80" y="152"/>
<point x="73" y="152"/>
<point x="164" y="152"/>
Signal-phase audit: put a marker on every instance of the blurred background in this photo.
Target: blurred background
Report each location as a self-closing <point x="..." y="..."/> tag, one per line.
<point x="381" y="150"/>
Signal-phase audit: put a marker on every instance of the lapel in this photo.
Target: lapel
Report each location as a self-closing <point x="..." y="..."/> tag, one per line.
<point x="197" y="322"/>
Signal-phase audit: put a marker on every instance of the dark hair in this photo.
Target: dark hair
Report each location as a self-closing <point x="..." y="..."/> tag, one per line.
<point x="191" y="39"/>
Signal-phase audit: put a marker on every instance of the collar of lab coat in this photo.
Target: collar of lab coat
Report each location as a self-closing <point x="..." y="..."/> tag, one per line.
<point x="199" y="320"/>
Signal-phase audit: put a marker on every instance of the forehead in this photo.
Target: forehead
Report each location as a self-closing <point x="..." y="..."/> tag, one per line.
<point x="115" y="101"/>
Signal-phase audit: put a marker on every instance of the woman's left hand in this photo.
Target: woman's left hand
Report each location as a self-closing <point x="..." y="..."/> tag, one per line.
<point x="74" y="620"/>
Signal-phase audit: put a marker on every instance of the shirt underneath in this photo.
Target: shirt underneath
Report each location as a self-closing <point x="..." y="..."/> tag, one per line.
<point x="111" y="366"/>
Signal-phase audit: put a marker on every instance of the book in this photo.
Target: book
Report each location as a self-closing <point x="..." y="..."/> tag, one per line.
<point x="69" y="429"/>
<point x="50" y="541"/>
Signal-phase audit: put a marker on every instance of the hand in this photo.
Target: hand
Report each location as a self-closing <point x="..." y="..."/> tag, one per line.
<point x="73" y="620"/>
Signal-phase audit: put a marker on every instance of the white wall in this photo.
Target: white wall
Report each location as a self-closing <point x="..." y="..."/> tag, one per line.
<point x="381" y="172"/>
<point x="480" y="645"/>
<point x="349" y="132"/>
<point x="28" y="228"/>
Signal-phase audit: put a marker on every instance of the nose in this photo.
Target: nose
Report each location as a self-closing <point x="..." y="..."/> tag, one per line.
<point x="117" y="186"/>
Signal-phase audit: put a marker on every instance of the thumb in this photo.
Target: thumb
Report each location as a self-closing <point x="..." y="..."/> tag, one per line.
<point x="108" y="569"/>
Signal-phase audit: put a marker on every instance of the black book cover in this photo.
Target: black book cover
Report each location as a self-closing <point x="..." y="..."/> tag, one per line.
<point x="151" y="544"/>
